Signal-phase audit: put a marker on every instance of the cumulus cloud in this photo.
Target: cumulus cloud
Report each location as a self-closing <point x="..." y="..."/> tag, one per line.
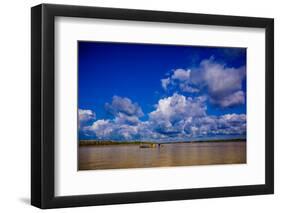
<point x="181" y="79"/>
<point x="165" y="83"/>
<point x="181" y="74"/>
<point x="112" y="130"/>
<point x="177" y="117"/>
<point x="233" y="99"/>
<point x="86" y="115"/>
<point x="120" y="105"/>
<point x="187" y="88"/>
<point x="124" y="124"/>
<point x="223" y="84"/>
<point x="180" y="106"/>
<point x="124" y="110"/>
<point x="125" y="119"/>
<point x="172" y="113"/>
<point x="102" y="128"/>
<point x="228" y="124"/>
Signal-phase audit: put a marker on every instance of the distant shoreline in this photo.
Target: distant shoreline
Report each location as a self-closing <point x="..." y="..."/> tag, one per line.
<point x="103" y="143"/>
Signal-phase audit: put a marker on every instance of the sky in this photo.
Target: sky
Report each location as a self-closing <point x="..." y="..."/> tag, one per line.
<point x="156" y="92"/>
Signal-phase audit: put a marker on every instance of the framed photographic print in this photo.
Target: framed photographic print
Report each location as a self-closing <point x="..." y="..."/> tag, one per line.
<point x="139" y="106"/>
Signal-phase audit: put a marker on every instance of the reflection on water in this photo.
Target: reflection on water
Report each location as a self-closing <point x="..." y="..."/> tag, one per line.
<point x="179" y="154"/>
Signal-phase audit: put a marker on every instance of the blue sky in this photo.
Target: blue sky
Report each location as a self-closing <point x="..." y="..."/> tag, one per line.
<point x="160" y="92"/>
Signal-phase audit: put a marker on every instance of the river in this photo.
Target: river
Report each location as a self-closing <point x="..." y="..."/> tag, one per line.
<point x="178" y="154"/>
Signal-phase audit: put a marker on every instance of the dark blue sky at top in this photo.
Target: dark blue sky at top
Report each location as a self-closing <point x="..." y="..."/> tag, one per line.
<point x="132" y="70"/>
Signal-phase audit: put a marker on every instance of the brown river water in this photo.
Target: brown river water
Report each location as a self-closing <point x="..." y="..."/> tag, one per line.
<point x="179" y="154"/>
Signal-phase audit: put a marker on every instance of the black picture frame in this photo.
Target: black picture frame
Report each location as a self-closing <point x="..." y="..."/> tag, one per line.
<point x="43" y="102"/>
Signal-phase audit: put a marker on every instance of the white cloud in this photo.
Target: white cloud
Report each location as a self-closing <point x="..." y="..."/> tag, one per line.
<point x="233" y="118"/>
<point x="172" y="113"/>
<point x="86" y="115"/>
<point x="233" y="99"/>
<point x="112" y="130"/>
<point x="165" y="83"/>
<point x="220" y="80"/>
<point x="125" y="119"/>
<point x="124" y="124"/>
<point x="101" y="128"/>
<point x="124" y="110"/>
<point x="221" y="83"/>
<point x="181" y="74"/>
<point x="186" y="88"/>
<point x="180" y="78"/>
<point x="228" y="124"/>
<point x="120" y="105"/>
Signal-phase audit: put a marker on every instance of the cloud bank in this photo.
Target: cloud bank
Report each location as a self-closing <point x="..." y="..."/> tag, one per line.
<point x="175" y="118"/>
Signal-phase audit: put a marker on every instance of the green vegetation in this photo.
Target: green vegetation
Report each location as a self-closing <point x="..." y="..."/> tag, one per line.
<point x="104" y="142"/>
<point x="101" y="142"/>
